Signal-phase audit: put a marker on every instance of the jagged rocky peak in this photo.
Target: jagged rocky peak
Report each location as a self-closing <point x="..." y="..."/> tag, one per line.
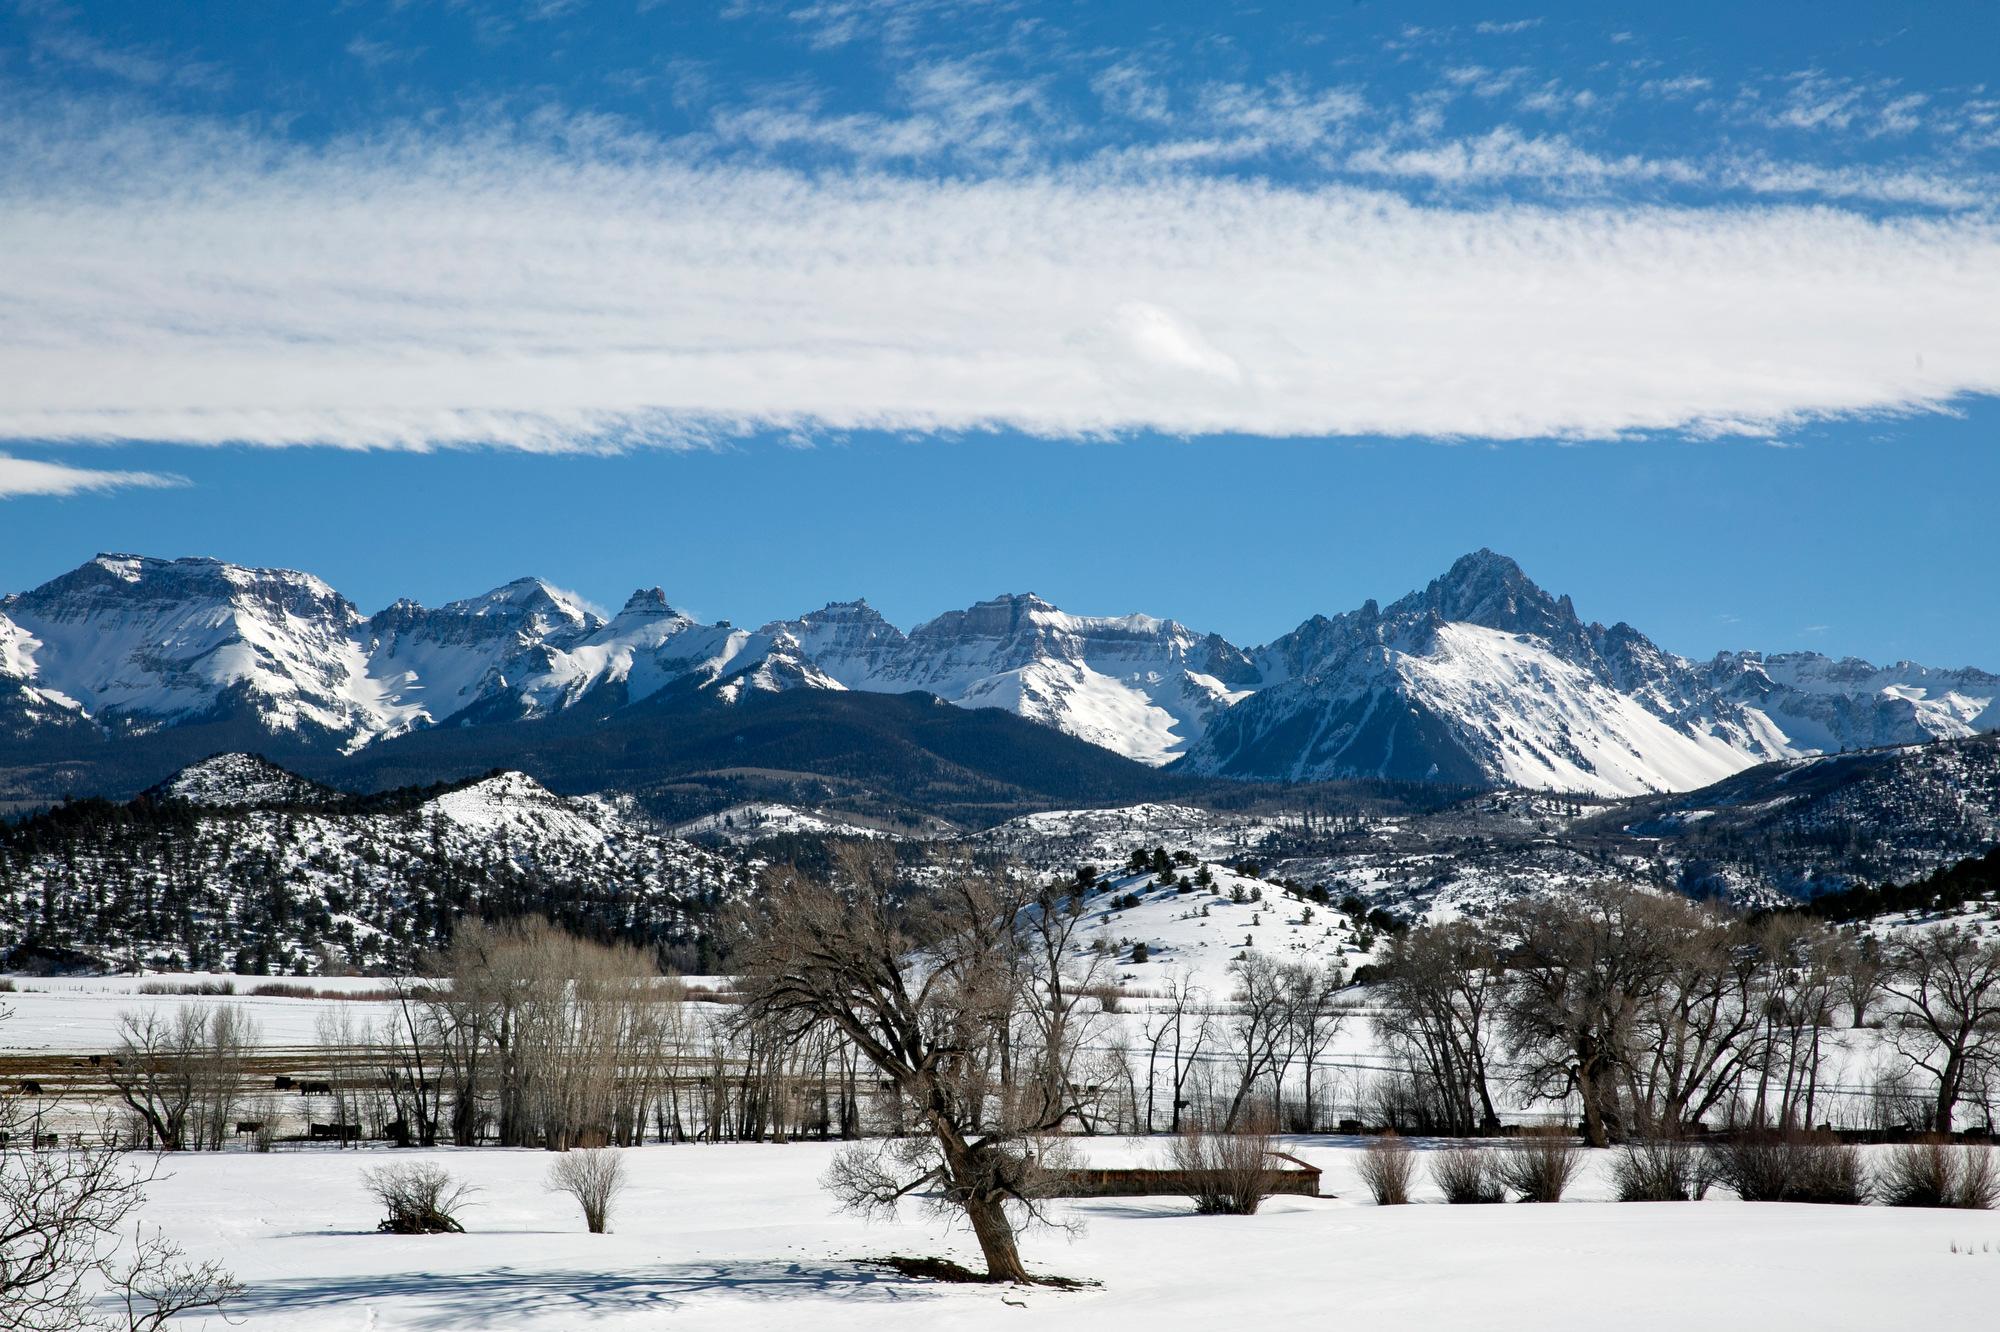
<point x="112" y="581"/>
<point x="848" y="639"/>
<point x="1490" y="590"/>
<point x="648" y="601"/>
<point x="527" y="610"/>
<point x="998" y="617"/>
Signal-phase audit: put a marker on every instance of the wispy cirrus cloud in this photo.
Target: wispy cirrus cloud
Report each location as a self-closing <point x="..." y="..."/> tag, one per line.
<point x="29" y="476"/>
<point x="573" y="288"/>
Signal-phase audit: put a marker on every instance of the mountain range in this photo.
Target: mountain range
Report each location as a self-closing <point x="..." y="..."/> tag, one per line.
<point x="1481" y="678"/>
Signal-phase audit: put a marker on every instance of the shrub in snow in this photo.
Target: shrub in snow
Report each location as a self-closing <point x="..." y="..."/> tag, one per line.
<point x="1660" y="1170"/>
<point x="1937" y="1173"/>
<point x="1541" y="1167"/>
<point x="421" y="1198"/>
<point x="1467" y="1175"/>
<point x="1799" y="1167"/>
<point x="1387" y="1167"/>
<point x="593" y="1177"/>
<point x="1227" y="1174"/>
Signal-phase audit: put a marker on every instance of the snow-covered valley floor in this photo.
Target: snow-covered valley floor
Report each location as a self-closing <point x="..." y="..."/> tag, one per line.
<point x="741" y="1236"/>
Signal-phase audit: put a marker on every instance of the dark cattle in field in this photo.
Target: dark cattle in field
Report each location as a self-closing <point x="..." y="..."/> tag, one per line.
<point x="337" y="1132"/>
<point x="316" y="1088"/>
<point x="281" y="1083"/>
<point x="31" y="1087"/>
<point x="249" y="1125"/>
<point x="47" y="1140"/>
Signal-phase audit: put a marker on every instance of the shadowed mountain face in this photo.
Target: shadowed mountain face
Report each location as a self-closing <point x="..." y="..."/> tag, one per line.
<point x="114" y="674"/>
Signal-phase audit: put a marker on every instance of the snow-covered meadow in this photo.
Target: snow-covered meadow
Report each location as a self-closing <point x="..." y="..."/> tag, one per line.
<point x="741" y="1236"/>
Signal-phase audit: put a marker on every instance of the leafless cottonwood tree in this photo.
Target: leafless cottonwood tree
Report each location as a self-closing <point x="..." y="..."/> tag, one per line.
<point x="1176" y="1031"/>
<point x="1054" y="977"/>
<point x="1315" y="1016"/>
<point x="1439" y="995"/>
<point x="1581" y="972"/>
<point x="925" y="984"/>
<point x="552" y="1038"/>
<point x="1694" y="1034"/>
<point x="1947" y="1019"/>
<point x="1859" y="983"/>
<point x="1257" y="1028"/>
<point x="1802" y="964"/>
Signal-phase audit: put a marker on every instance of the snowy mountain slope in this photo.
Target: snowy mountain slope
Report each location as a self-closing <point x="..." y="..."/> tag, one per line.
<point x="1139" y="686"/>
<point x="1193" y="929"/>
<point x="139" y="643"/>
<point x="439" y="664"/>
<point x="1481" y="678"/>
<point x="134" y="644"/>
<point x="228" y="780"/>
<point x="258" y="884"/>
<point x="754" y="821"/>
<point x="1818" y="703"/>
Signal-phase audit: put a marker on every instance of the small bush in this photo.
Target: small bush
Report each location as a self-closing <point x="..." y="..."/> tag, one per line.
<point x="1936" y="1173"/>
<point x="1778" y="1167"/>
<point x="1467" y="1175"/>
<point x="283" y="990"/>
<point x="1540" y="1168"/>
<point x="1660" y="1170"/>
<point x="593" y="1177"/>
<point x="1228" y="1174"/>
<point x="1387" y="1166"/>
<point x="421" y="1198"/>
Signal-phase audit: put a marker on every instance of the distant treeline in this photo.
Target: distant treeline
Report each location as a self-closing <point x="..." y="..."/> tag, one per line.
<point x="1946" y="890"/>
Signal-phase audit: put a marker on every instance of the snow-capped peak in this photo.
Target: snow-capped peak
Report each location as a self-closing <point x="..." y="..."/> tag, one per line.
<point x="1479" y="677"/>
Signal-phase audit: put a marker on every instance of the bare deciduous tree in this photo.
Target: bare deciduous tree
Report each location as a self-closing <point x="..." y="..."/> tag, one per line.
<point x="1582" y="971"/>
<point x="1439" y="991"/>
<point x="1948" y="1020"/>
<point x="181" y="1074"/>
<point x="1258" y="1028"/>
<point x="924" y="984"/>
<point x="1177" y="1030"/>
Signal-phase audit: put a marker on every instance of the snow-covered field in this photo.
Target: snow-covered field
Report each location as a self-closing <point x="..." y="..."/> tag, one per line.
<point x="741" y="1236"/>
<point x="80" y="1014"/>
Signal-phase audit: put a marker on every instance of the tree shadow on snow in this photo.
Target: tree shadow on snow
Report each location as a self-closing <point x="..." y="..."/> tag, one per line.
<point x="482" y="1299"/>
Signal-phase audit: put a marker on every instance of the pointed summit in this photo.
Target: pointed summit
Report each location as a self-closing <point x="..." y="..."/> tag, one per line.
<point x="1489" y="589"/>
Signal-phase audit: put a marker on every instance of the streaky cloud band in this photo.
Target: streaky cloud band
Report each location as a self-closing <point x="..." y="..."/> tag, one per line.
<point x="176" y="281"/>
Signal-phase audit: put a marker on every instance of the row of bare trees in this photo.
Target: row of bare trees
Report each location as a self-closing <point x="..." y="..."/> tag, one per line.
<point x="180" y="1074"/>
<point x="1652" y="1014"/>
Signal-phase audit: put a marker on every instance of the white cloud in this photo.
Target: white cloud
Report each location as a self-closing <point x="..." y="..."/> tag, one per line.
<point x="177" y="283"/>
<point x="27" y="476"/>
<point x="1506" y="154"/>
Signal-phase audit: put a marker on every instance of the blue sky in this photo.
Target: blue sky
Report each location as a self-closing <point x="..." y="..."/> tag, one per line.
<point x="1232" y="313"/>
